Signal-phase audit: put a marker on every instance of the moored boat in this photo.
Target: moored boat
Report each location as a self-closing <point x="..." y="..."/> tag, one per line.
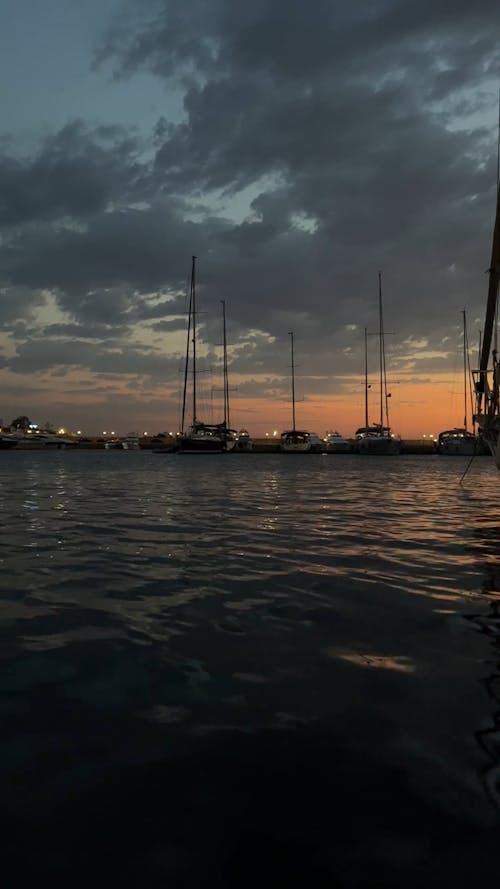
<point x="31" y="441"/>
<point x="335" y="443"/>
<point x="460" y="442"/>
<point x="199" y="437"/>
<point x="243" y="441"/>
<point x="457" y="443"/>
<point x="131" y="442"/>
<point x="377" y="438"/>
<point x="487" y="377"/>
<point x="294" y="441"/>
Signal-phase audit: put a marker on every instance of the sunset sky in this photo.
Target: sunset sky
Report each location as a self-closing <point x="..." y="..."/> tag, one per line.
<point x="297" y="148"/>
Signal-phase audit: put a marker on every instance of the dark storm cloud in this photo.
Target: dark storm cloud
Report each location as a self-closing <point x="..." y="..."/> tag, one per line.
<point x="34" y="355"/>
<point x="18" y="303"/>
<point x="100" y="271"/>
<point x="91" y="331"/>
<point x="359" y="130"/>
<point x="348" y="108"/>
<point x="74" y="173"/>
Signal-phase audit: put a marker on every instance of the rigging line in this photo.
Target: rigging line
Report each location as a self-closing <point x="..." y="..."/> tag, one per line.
<point x="470" y="378"/>
<point x="498" y="190"/>
<point x="469" y="464"/>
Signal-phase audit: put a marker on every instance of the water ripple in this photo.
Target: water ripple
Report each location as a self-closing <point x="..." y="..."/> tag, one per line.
<point x="193" y="595"/>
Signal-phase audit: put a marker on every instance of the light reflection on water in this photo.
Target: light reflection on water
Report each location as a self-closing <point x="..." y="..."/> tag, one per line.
<point x="139" y="539"/>
<point x="204" y="594"/>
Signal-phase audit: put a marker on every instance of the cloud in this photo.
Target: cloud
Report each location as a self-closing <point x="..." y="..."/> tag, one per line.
<point x="74" y="173"/>
<point x="318" y="144"/>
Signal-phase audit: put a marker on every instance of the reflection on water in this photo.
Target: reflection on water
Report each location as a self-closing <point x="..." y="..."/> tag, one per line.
<point x="258" y="623"/>
<point x="487" y="544"/>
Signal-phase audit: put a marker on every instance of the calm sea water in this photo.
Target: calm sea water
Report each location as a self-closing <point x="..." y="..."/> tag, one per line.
<point x="249" y="669"/>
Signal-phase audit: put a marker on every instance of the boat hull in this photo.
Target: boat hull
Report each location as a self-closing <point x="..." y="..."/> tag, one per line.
<point x="201" y="446"/>
<point x="295" y="442"/>
<point x="303" y="448"/>
<point x="457" y="443"/>
<point x="205" y="439"/>
<point x="458" y="449"/>
<point x="245" y="444"/>
<point x="384" y="447"/>
<point x="337" y="444"/>
<point x="491" y="438"/>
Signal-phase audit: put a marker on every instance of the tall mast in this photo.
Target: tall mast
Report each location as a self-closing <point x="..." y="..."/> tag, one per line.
<point x="366" y="377"/>
<point x="491" y="306"/>
<point x="465" y="369"/>
<point x="192" y="303"/>
<point x="224" y="366"/>
<point x="493" y="282"/>
<point x="384" y="394"/>
<point x="186" y="362"/>
<point x="381" y="348"/>
<point x="293" y="381"/>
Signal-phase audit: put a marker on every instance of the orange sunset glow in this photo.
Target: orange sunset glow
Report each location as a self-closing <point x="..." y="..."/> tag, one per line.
<point x="88" y="402"/>
<point x="304" y="195"/>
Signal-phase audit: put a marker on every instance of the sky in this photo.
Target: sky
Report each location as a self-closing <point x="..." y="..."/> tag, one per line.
<point x="297" y="149"/>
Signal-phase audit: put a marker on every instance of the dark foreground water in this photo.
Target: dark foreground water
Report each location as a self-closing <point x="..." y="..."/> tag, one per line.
<point x="249" y="670"/>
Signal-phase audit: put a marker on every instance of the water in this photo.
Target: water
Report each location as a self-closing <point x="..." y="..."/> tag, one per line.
<point x="258" y="669"/>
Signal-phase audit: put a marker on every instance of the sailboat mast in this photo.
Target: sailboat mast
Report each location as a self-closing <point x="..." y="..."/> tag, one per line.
<point x="381" y="348"/>
<point x="366" y="377"/>
<point x="293" y="382"/>
<point x="186" y="362"/>
<point x="224" y="366"/>
<point x="192" y="304"/>
<point x="384" y="394"/>
<point x="494" y="272"/>
<point x="465" y="369"/>
<point x="491" y="320"/>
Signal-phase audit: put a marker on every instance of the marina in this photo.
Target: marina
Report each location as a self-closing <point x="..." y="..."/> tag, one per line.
<point x="331" y="444"/>
<point x="249" y="445"/>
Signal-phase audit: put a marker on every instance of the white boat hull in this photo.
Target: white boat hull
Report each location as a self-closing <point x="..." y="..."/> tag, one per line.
<point x="295" y="442"/>
<point x="337" y="444"/>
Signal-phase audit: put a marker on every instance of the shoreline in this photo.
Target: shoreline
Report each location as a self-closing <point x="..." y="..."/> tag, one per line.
<point x="411" y="447"/>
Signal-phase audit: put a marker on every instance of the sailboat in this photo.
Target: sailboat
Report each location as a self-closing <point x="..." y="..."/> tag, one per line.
<point x="459" y="441"/>
<point x="294" y="441"/>
<point x="487" y="378"/>
<point x="377" y="438"/>
<point x="202" y="438"/>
